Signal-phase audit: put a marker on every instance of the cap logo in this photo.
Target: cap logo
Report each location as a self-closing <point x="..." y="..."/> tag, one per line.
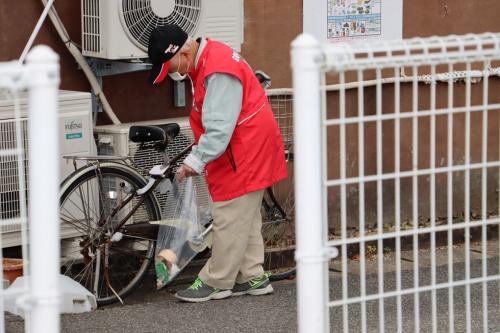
<point x="172" y="48"/>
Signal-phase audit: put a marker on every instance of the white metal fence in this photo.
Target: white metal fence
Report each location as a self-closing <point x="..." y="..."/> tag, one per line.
<point x="38" y="297"/>
<point x="397" y="166"/>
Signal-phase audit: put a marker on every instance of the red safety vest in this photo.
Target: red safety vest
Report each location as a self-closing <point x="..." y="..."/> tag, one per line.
<point x="254" y="158"/>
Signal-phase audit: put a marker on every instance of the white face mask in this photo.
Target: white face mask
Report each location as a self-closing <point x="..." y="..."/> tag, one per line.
<point x="176" y="76"/>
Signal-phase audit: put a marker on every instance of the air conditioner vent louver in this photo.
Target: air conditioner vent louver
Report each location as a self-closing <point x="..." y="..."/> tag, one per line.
<point x="91" y="25"/>
<point x="9" y="176"/>
<point x="222" y="28"/>
<point x="142" y="16"/>
<point x="75" y="138"/>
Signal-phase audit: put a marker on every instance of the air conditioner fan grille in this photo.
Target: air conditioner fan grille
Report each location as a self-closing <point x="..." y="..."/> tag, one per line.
<point x="140" y="20"/>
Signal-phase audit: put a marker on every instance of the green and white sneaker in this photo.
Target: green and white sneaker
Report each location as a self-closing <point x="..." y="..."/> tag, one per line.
<point x="200" y="292"/>
<point x="256" y="286"/>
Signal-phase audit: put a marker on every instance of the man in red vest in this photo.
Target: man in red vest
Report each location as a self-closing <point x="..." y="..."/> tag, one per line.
<point x="238" y="145"/>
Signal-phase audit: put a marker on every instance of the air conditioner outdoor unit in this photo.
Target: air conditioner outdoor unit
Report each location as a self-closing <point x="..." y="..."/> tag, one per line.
<point x="76" y="138"/>
<point x="120" y="29"/>
<point x="113" y="140"/>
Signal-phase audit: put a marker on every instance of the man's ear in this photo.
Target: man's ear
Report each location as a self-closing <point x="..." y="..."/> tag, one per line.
<point x="187" y="57"/>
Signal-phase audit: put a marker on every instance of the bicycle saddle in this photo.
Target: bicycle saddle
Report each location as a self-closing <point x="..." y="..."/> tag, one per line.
<point x="163" y="133"/>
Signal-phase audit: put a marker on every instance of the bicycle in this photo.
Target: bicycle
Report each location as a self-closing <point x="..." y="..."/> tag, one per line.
<point x="108" y="243"/>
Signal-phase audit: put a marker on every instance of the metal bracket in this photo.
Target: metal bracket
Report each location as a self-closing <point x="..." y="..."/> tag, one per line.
<point x="106" y="67"/>
<point x="324" y="255"/>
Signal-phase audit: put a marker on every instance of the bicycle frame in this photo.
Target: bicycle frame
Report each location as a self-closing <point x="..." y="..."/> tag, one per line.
<point x="155" y="180"/>
<point x="158" y="173"/>
<point x="167" y="172"/>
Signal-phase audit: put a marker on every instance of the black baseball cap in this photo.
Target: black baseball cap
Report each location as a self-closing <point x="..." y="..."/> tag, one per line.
<point x="164" y="43"/>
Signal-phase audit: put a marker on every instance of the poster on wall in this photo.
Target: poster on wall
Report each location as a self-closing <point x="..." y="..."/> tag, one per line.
<point x="353" y="20"/>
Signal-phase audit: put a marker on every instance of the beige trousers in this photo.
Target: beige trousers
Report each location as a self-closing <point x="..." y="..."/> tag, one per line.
<point x="237" y="248"/>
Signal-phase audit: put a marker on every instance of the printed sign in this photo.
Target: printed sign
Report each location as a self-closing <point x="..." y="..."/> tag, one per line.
<point x="354" y="18"/>
<point x="346" y="20"/>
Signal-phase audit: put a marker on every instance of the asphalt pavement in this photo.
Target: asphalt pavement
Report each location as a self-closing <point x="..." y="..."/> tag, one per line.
<point x="148" y="310"/>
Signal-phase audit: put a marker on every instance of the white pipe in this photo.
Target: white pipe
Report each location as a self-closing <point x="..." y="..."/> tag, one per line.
<point x="94" y="84"/>
<point x="35" y="31"/>
<point x="449" y="181"/>
<point x="75" y="52"/>
<point x="343" y="201"/>
<point x="484" y="202"/>
<point x="415" y="196"/>
<point x="43" y="83"/>
<point x="468" y="103"/>
<point x="310" y="255"/>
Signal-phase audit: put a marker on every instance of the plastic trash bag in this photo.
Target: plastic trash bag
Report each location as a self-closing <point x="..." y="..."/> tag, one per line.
<point x="181" y="231"/>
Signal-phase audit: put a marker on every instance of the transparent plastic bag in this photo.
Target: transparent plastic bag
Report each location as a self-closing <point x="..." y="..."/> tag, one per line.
<point x="181" y="231"/>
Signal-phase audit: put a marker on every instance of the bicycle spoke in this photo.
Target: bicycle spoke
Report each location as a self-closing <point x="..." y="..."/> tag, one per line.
<point x="82" y="272"/>
<point x="90" y="201"/>
<point x="78" y="226"/>
<point x="77" y="206"/>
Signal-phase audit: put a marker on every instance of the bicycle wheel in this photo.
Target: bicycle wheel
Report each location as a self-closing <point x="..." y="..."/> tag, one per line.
<point x="278" y="227"/>
<point x="107" y="263"/>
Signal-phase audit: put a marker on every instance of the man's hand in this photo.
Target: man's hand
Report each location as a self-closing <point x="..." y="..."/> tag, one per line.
<point x="185" y="171"/>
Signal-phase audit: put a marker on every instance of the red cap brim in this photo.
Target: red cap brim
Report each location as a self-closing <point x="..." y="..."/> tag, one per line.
<point x="159" y="72"/>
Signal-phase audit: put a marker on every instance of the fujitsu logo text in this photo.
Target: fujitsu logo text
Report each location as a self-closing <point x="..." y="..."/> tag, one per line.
<point x="73" y="125"/>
